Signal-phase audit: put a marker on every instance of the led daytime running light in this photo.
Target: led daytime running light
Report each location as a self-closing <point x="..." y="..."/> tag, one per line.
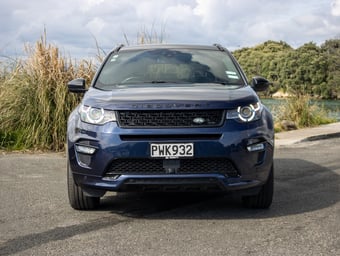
<point x="246" y="117"/>
<point x="93" y="115"/>
<point x="246" y="113"/>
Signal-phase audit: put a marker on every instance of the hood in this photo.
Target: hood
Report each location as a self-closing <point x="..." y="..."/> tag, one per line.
<point x="171" y="97"/>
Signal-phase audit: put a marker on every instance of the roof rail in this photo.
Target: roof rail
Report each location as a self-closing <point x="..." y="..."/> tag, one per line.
<point x="220" y="47"/>
<point x="117" y="49"/>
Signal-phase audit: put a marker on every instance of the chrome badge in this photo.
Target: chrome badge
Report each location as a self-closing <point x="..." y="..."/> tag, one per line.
<point x="199" y="120"/>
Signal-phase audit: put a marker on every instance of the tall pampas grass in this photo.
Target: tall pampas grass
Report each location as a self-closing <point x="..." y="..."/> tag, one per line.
<point x="34" y="100"/>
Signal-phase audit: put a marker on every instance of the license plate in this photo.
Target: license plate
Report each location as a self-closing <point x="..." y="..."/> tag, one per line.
<point x="172" y="150"/>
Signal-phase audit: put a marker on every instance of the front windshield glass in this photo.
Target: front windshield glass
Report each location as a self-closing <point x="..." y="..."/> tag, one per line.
<point x="156" y="67"/>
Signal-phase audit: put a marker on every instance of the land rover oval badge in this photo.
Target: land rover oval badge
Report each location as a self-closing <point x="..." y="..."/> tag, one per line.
<point x="199" y="120"/>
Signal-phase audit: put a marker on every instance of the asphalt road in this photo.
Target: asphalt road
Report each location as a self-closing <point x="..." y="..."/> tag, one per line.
<point x="35" y="218"/>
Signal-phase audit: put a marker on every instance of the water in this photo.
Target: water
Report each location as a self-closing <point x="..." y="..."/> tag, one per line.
<point x="332" y="107"/>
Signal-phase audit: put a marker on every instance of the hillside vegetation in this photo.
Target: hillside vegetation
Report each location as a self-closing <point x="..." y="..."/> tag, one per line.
<point x="310" y="69"/>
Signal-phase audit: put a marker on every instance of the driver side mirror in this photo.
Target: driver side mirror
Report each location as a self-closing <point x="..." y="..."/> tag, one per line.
<point x="259" y="84"/>
<point x="77" y="85"/>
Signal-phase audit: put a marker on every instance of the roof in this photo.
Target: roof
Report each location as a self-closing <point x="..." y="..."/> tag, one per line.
<point x="168" y="46"/>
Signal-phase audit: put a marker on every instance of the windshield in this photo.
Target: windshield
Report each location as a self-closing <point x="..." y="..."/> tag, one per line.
<point x="156" y="67"/>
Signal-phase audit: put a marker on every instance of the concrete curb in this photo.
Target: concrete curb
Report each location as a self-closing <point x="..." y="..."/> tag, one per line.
<point x="322" y="137"/>
<point x="308" y="134"/>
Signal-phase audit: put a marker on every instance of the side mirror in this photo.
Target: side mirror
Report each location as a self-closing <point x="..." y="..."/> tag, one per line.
<point x="77" y="85"/>
<point x="259" y="84"/>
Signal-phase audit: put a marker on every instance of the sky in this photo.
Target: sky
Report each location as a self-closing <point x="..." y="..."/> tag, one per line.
<point x="77" y="26"/>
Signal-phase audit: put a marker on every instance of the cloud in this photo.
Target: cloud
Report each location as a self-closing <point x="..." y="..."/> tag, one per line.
<point x="72" y="24"/>
<point x="95" y="25"/>
<point x="87" y="5"/>
<point x="335" y="6"/>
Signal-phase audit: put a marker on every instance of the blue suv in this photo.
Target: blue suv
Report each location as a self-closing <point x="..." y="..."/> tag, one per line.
<point x="170" y="118"/>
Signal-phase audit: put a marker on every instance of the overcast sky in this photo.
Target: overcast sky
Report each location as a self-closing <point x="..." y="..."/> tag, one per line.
<point x="72" y="25"/>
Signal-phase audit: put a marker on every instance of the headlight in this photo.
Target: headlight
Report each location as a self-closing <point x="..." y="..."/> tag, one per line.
<point x="96" y="115"/>
<point x="247" y="113"/>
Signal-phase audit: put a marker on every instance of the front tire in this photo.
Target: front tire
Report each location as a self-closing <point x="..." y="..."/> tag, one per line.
<point x="77" y="198"/>
<point x="264" y="198"/>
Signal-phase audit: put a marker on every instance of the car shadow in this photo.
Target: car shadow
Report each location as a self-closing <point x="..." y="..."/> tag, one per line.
<point x="300" y="186"/>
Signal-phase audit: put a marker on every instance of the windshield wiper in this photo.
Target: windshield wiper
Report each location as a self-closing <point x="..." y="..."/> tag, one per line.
<point x="161" y="82"/>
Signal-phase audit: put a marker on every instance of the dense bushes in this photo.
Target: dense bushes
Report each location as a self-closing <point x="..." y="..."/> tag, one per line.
<point x="309" y="69"/>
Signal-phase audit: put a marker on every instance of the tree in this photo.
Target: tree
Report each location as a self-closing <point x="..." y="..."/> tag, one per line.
<point x="331" y="51"/>
<point x="310" y="69"/>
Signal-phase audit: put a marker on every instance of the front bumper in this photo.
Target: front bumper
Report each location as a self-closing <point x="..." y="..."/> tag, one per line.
<point x="231" y="142"/>
<point x="167" y="183"/>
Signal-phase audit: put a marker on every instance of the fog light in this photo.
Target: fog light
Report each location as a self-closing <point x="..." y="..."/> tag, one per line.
<point x="111" y="178"/>
<point x="256" y="147"/>
<point x="85" y="149"/>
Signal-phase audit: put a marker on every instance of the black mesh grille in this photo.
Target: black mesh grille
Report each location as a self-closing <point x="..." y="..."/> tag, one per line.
<point x="170" y="118"/>
<point x="186" y="166"/>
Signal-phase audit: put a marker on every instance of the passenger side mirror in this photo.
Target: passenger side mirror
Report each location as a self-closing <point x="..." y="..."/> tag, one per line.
<point x="259" y="84"/>
<point x="77" y="85"/>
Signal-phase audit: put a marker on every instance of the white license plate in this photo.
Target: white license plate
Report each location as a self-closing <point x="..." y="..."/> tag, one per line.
<point x="172" y="150"/>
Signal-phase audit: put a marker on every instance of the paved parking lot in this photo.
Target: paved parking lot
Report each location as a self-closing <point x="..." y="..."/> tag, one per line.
<point x="35" y="218"/>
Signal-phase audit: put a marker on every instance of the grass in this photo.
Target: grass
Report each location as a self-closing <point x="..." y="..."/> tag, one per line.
<point x="300" y="110"/>
<point x="34" y="100"/>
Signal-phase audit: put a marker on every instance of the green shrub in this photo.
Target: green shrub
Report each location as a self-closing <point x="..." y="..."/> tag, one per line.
<point x="300" y="110"/>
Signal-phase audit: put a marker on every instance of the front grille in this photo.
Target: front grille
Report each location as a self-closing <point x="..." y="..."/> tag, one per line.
<point x="170" y="118"/>
<point x="185" y="166"/>
<point x="176" y="137"/>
